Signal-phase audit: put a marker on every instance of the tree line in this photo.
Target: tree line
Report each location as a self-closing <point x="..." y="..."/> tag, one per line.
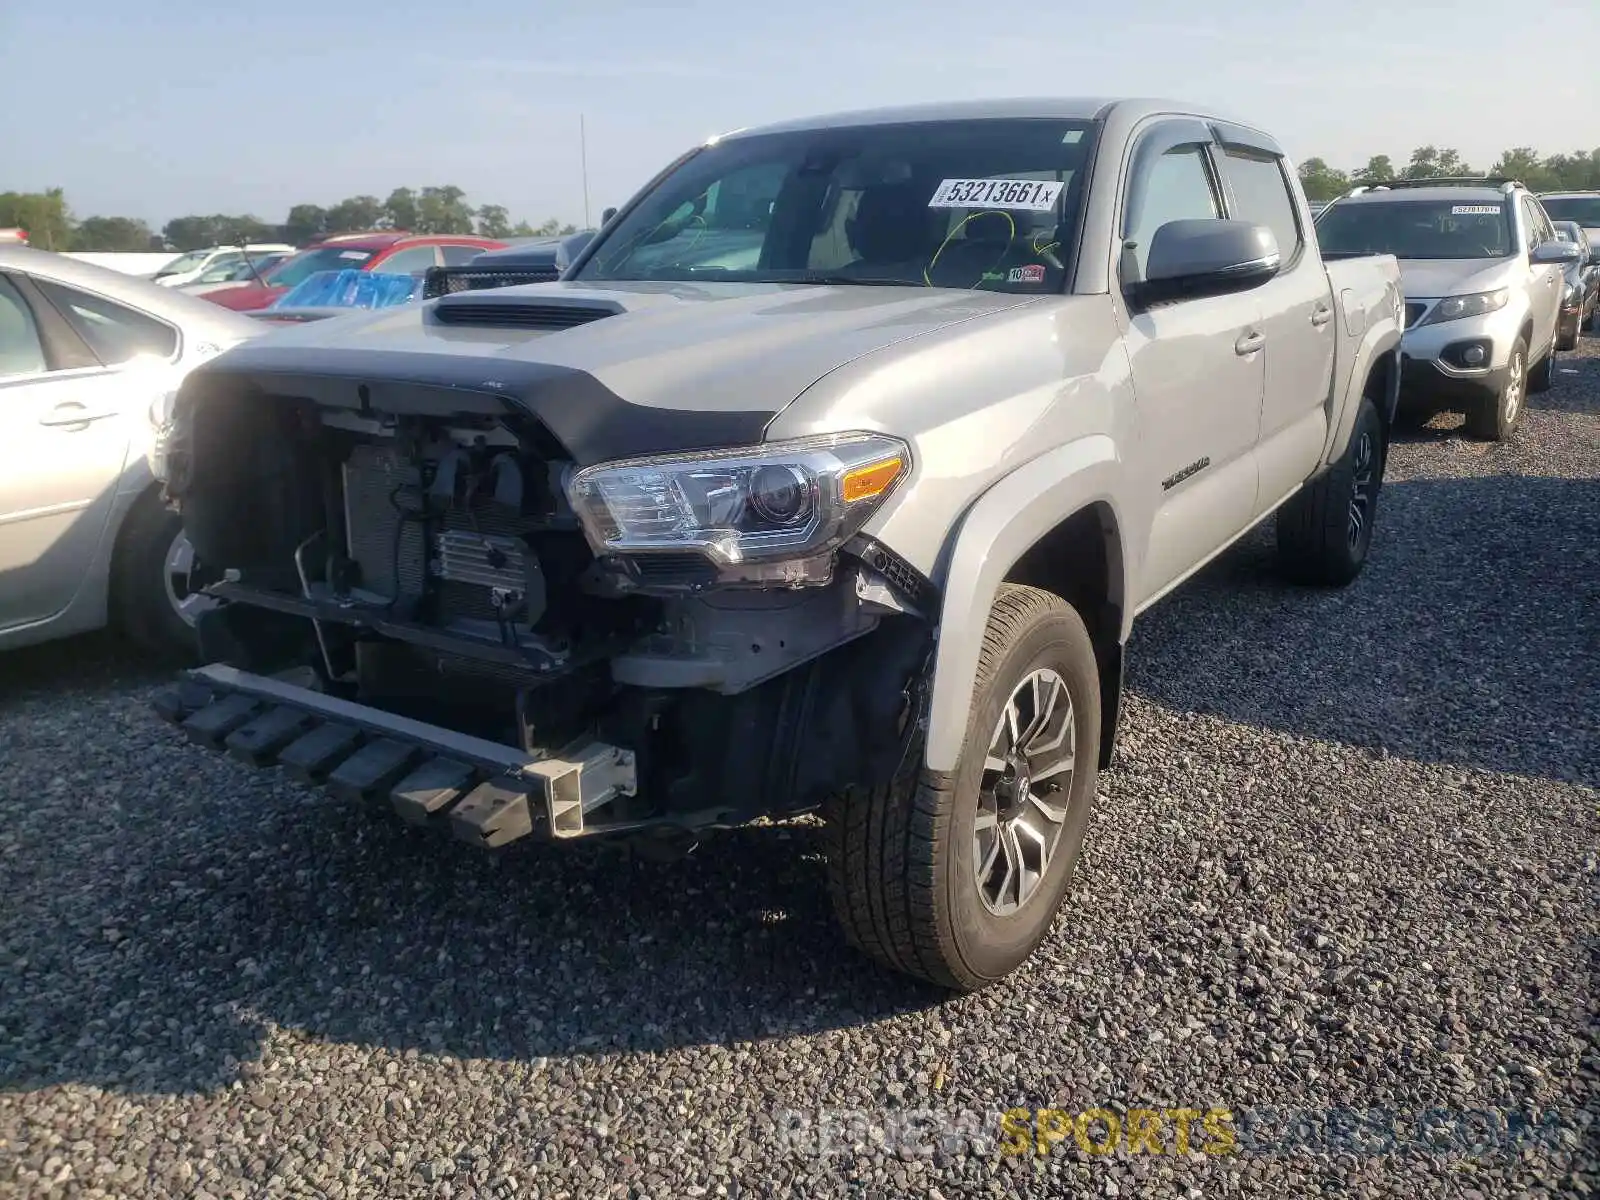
<point x="1577" y="172"/>
<point x="51" y="225"/>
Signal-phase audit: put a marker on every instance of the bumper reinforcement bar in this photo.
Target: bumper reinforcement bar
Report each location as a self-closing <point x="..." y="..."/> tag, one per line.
<point x="488" y="793"/>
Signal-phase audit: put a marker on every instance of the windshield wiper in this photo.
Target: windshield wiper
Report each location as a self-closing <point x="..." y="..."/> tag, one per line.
<point x="864" y="280"/>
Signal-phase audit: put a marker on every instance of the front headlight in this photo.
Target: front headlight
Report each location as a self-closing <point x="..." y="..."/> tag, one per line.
<point x="1453" y="308"/>
<point x="775" y="503"/>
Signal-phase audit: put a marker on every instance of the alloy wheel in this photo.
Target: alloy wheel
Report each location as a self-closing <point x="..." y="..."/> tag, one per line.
<point x="1364" y="493"/>
<point x="1023" y="797"/>
<point x="1516" y="380"/>
<point x="177" y="576"/>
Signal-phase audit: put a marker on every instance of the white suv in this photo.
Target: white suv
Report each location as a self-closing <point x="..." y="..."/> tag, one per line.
<point x="187" y="268"/>
<point x="1482" y="270"/>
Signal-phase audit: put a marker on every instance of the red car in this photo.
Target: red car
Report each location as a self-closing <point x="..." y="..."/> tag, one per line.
<point x="402" y="253"/>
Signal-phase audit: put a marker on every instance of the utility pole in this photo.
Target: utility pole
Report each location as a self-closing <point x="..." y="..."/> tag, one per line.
<point x="583" y="155"/>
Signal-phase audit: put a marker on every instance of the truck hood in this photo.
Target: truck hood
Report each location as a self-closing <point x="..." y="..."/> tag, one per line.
<point x="663" y="367"/>
<point x="1435" y="278"/>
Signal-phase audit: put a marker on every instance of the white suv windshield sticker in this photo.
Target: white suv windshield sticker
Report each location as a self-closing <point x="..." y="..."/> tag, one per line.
<point x="1474" y="210"/>
<point x="1032" y="195"/>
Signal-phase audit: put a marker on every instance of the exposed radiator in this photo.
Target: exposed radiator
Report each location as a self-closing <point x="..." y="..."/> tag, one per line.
<point x="476" y="553"/>
<point x="378" y="483"/>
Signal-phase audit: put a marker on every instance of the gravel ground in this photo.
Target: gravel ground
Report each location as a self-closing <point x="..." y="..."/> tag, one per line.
<point x="1347" y="862"/>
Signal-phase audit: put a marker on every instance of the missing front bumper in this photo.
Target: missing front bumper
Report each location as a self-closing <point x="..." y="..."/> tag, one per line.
<point x="487" y="793"/>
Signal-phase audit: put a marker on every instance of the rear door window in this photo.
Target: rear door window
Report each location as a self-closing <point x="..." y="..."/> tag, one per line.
<point x="115" y="332"/>
<point x="1261" y="195"/>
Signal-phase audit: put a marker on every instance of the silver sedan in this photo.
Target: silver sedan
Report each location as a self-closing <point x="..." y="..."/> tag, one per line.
<point x="88" y="359"/>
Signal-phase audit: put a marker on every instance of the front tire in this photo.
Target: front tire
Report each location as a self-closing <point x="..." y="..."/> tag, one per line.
<point x="1325" y="530"/>
<point x="151" y="599"/>
<point x="958" y="884"/>
<point x="1494" y="418"/>
<point x="1543" y="375"/>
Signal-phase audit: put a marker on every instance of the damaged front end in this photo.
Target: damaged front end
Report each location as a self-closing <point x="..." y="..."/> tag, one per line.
<point x="488" y="608"/>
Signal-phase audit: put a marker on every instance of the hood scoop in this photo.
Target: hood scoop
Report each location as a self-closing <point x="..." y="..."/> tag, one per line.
<point x="503" y="310"/>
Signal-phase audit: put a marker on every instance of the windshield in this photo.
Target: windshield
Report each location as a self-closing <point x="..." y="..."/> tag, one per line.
<point x="1417" y="229"/>
<point x="237" y="267"/>
<point x="987" y="204"/>
<point x="1585" y="210"/>
<point x="184" y="262"/>
<point x="308" y="262"/>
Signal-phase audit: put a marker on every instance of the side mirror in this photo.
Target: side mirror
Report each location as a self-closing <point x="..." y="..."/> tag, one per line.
<point x="1195" y="258"/>
<point x="1556" y="253"/>
<point x="605" y="217"/>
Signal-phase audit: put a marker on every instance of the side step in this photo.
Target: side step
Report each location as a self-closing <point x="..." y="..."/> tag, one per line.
<point x="485" y="792"/>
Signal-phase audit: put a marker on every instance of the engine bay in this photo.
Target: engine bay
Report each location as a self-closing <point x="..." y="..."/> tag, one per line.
<point x="449" y="530"/>
<point x="430" y="565"/>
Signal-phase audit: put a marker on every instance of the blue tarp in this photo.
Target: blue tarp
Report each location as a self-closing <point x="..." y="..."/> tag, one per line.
<point x="351" y="289"/>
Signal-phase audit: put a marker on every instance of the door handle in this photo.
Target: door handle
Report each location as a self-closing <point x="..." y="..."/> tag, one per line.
<point x="71" y="415"/>
<point x="1249" y="343"/>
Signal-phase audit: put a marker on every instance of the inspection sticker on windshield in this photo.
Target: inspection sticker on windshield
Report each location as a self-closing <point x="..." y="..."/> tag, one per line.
<point x="1032" y="195"/>
<point x="1474" y="210"/>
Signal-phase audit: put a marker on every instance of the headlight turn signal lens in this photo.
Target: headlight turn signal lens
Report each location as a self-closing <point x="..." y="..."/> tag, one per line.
<point x="770" y="503"/>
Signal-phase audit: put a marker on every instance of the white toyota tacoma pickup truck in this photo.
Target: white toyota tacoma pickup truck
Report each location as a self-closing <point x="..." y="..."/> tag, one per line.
<point x="831" y="476"/>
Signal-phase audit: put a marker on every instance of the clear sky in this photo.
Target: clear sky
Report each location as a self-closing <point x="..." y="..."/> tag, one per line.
<point x="157" y="108"/>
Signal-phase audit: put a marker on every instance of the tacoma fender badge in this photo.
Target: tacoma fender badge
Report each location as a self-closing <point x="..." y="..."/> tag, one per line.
<point x="1172" y="481"/>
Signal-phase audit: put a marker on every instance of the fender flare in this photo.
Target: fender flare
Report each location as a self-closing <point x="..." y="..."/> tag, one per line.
<point x="1380" y="340"/>
<point x="996" y="531"/>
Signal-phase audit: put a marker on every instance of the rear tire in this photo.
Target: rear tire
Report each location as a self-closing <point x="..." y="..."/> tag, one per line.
<point x="919" y="872"/>
<point x="144" y="605"/>
<point x="1494" y="418"/>
<point x="1325" y="530"/>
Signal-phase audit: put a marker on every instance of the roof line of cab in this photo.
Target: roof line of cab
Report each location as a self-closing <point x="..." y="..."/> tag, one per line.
<point x="1131" y="110"/>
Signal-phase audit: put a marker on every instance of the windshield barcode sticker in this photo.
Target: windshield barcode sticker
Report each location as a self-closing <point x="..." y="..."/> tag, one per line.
<point x="1031" y="195"/>
<point x="1474" y="210"/>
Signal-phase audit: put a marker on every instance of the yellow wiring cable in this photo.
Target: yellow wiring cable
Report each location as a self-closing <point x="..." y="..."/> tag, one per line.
<point x="950" y="237"/>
